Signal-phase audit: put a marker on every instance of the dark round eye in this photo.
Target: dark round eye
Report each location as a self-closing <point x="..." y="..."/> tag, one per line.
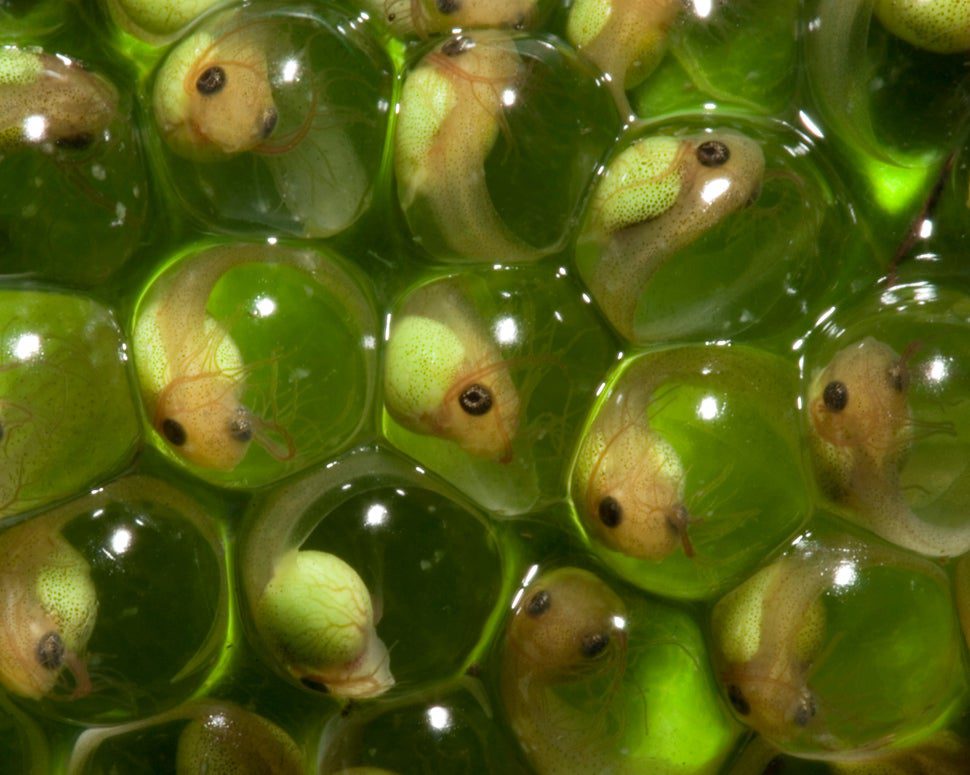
<point x="174" y="432"/>
<point x="610" y="511"/>
<point x="805" y="711"/>
<point x="539" y="603"/>
<point x="713" y="153"/>
<point x="593" y="644"/>
<point x="476" y="400"/>
<point x="738" y="702"/>
<point x="836" y="396"/>
<point x="50" y="651"/>
<point x="212" y="81"/>
<point x="240" y="428"/>
<point x="447" y="7"/>
<point x="78" y="142"/>
<point x="457" y="45"/>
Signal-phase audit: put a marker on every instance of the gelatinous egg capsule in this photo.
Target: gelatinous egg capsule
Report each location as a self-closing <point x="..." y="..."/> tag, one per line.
<point x="452" y="110"/>
<point x="213" y="97"/>
<point x="862" y="430"/>
<point x="435" y="17"/>
<point x="626" y="39"/>
<point x="767" y="632"/>
<point x="445" y="376"/>
<point x="656" y="197"/>
<point x="629" y="485"/>
<point x="48" y="607"/>
<point x="226" y="739"/>
<point x="317" y="617"/>
<point x="568" y="628"/>
<point x="51" y="102"/>
<point x="191" y="371"/>
<point x="154" y="21"/>
<point x="942" y="26"/>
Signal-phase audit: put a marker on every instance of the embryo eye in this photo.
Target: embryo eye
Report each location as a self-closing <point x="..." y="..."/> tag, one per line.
<point x="836" y="396"/>
<point x="174" y="432"/>
<point x="539" y="603"/>
<point x="713" y="153"/>
<point x="610" y="511"/>
<point x="476" y="400"/>
<point x="212" y="81"/>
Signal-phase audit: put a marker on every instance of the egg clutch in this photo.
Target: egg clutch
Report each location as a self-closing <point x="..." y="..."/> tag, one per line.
<point x="495" y="386"/>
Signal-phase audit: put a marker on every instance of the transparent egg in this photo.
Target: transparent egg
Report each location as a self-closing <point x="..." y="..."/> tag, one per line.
<point x="668" y="482"/>
<point x="705" y="68"/>
<point x="592" y="682"/>
<point x="700" y="231"/>
<point x="497" y="138"/>
<point x="231" y="384"/>
<point x="274" y="119"/>
<point x="888" y="416"/>
<point x="450" y="731"/>
<point x="870" y="64"/>
<point x="115" y="604"/>
<point x="334" y="563"/>
<point x="816" y="654"/>
<point x="485" y="375"/>
<point x="206" y="736"/>
<point x="67" y="145"/>
<point x="63" y="382"/>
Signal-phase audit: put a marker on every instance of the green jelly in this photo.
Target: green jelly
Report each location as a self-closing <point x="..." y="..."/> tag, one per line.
<point x="63" y="383"/>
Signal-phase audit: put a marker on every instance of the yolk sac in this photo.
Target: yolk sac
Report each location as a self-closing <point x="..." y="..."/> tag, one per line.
<point x="227" y="739"/>
<point x="156" y="22"/>
<point x="317" y="619"/>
